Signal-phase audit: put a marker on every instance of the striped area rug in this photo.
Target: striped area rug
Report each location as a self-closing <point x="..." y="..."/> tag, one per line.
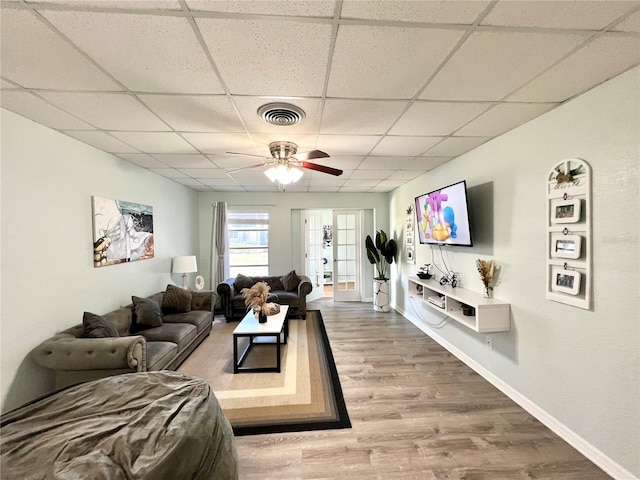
<point x="305" y="395"/>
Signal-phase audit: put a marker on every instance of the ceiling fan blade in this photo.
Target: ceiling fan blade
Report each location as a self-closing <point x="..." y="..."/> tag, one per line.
<point x="310" y="155"/>
<point x="321" y="168"/>
<point x="246" y="154"/>
<point x="248" y="167"/>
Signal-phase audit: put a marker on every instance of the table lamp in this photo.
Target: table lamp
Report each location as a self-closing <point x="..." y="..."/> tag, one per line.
<point x="184" y="264"/>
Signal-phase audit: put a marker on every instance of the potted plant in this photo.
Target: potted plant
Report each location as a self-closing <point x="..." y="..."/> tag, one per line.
<point x="381" y="254"/>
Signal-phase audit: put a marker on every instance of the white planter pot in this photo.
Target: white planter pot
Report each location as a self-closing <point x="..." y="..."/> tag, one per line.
<point x="381" y="295"/>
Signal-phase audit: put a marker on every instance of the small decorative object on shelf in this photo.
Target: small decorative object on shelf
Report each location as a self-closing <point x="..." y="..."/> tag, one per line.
<point x="450" y="278"/>
<point x="486" y="268"/>
<point x="424" y="272"/>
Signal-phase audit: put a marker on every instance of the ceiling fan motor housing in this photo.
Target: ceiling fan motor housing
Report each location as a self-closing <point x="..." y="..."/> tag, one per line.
<point x="283" y="150"/>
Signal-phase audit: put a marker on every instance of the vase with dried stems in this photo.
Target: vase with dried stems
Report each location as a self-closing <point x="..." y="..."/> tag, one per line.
<point x="255" y="298"/>
<point x="486" y="268"/>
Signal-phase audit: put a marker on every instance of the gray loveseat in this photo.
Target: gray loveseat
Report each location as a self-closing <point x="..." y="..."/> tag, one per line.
<point x="290" y="289"/>
<point x="136" y="346"/>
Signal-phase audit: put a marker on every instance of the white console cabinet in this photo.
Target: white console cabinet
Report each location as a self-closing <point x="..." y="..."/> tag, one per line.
<point x="488" y="315"/>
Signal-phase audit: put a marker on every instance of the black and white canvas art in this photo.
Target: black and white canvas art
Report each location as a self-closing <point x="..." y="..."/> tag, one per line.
<point x="122" y="231"/>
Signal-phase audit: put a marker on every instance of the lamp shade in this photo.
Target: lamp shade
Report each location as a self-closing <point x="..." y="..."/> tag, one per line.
<point x="185" y="264"/>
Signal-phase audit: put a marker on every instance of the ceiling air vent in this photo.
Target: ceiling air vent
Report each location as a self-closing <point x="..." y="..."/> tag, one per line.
<point x="282" y="114"/>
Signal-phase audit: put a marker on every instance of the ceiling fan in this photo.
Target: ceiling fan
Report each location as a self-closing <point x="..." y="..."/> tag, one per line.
<point x="285" y="161"/>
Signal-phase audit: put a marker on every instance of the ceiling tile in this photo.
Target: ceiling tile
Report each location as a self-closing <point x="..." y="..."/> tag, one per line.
<point x="391" y="183"/>
<point x="168" y="172"/>
<point x="454" y="146"/>
<point x="155" y="142"/>
<point x="317" y="178"/>
<point x="189" y="182"/>
<point x="204" y="172"/>
<point x="406" y="175"/>
<point x="601" y="59"/>
<point x="397" y="70"/>
<point x="360" y="116"/>
<point x="248" y="107"/>
<point x="201" y="188"/>
<point x="489" y="65"/>
<point x="630" y="24"/>
<point x="217" y="182"/>
<point x="437" y="118"/>
<point x="185" y="161"/>
<point x="5" y="84"/>
<point x="36" y="109"/>
<point x="347" y="144"/>
<point x="195" y="113"/>
<point x="583" y="14"/>
<point x="343" y="162"/>
<point x="305" y="142"/>
<point x="383" y="162"/>
<point x="354" y="189"/>
<point x="460" y="12"/>
<point x="220" y="142"/>
<point x="101" y="141"/>
<point x="504" y="117"/>
<point x="147" y="53"/>
<point x="53" y="64"/>
<point x="142" y="160"/>
<point x="228" y="188"/>
<point x="425" y="163"/>
<point x="333" y="189"/>
<point x="234" y="161"/>
<point x="126" y="4"/>
<point x="109" y="111"/>
<point x="376" y="174"/>
<point x="405" y="146"/>
<point x="267" y="57"/>
<point x="360" y="183"/>
<point x="314" y="8"/>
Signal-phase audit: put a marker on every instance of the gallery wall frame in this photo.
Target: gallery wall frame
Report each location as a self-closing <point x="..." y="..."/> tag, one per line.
<point x="569" y="276"/>
<point x="122" y="231"/>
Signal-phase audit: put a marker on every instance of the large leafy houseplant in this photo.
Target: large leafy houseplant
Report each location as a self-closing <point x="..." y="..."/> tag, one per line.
<point x="381" y="253"/>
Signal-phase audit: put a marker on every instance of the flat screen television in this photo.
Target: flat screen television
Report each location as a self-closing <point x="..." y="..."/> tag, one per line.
<point x="443" y="216"/>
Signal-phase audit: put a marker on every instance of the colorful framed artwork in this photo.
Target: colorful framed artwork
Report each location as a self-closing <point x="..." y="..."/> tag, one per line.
<point x="122" y="231"/>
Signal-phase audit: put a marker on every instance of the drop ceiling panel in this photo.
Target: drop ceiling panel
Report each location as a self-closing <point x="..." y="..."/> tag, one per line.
<point x="101" y="141"/>
<point x="54" y="64"/>
<point x="220" y="142"/>
<point x="383" y="162"/>
<point x="406" y="175"/>
<point x="454" y="146"/>
<point x="314" y="8"/>
<point x="267" y="57"/>
<point x="109" y="111"/>
<point x="305" y="142"/>
<point x="360" y="116"/>
<point x="403" y="61"/>
<point x="371" y="174"/>
<point x="185" y="161"/>
<point x="163" y="47"/>
<point x="126" y="4"/>
<point x="600" y="60"/>
<point x="248" y="108"/>
<point x="405" y="146"/>
<point x="504" y="117"/>
<point x="437" y="118"/>
<point x="204" y="172"/>
<point x="425" y="163"/>
<point x="343" y="162"/>
<point x="629" y="24"/>
<point x="142" y="160"/>
<point x="169" y="172"/>
<point x="460" y="12"/>
<point x="217" y="182"/>
<point x="492" y="64"/>
<point x="30" y="106"/>
<point x="583" y="14"/>
<point x="195" y="113"/>
<point x="155" y="142"/>
<point x="347" y="144"/>
<point x="234" y="161"/>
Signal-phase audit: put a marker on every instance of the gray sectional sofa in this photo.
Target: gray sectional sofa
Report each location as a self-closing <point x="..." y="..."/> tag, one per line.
<point x="154" y="333"/>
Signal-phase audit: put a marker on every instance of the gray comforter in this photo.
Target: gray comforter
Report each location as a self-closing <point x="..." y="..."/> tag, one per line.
<point x="152" y="425"/>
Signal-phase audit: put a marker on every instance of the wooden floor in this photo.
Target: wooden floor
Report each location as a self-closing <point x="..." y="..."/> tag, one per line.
<point x="417" y="413"/>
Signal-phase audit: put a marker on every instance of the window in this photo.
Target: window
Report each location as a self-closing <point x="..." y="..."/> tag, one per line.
<point x="248" y="240"/>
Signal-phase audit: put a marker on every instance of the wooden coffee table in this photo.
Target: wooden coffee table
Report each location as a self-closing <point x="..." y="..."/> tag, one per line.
<point x="275" y="331"/>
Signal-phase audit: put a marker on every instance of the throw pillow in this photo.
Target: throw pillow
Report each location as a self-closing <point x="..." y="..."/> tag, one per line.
<point x="275" y="283"/>
<point x="290" y="281"/>
<point x="242" y="281"/>
<point x="176" y="300"/>
<point x="146" y="312"/>
<point x="97" y="327"/>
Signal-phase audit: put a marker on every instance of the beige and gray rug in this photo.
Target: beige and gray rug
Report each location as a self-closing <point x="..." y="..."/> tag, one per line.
<point x="305" y="395"/>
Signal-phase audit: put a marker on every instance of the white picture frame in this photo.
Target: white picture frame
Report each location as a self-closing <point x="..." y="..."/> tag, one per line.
<point x="566" y="246"/>
<point x="565" y="211"/>
<point x="410" y="255"/>
<point x="409" y="239"/>
<point x="565" y="281"/>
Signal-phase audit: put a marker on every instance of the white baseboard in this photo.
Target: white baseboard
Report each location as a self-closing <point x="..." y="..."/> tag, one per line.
<point x="576" y="441"/>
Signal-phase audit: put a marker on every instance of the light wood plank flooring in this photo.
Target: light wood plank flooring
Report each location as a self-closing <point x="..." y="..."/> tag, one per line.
<point x="417" y="413"/>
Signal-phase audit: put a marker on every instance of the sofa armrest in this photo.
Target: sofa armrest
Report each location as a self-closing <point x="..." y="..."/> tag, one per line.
<point x="66" y="352"/>
<point x="304" y="289"/>
<point x="226" y="291"/>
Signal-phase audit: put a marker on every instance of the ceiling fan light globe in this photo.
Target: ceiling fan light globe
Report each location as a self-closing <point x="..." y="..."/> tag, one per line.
<point x="272" y="174"/>
<point x="296" y="174"/>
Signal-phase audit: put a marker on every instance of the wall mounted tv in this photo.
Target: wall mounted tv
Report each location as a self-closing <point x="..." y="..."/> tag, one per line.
<point x="443" y="216"/>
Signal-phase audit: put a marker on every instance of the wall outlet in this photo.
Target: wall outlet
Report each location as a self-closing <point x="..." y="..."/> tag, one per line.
<point x="488" y="342"/>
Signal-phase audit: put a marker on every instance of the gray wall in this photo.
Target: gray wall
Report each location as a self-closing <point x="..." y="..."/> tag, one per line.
<point x="48" y="278"/>
<point x="579" y="370"/>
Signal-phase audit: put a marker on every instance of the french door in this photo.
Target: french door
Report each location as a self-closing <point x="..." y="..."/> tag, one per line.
<point x="346" y="255"/>
<point x="313" y="252"/>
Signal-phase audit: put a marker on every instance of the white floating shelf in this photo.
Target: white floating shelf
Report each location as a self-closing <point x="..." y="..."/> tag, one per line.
<point x="490" y="314"/>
